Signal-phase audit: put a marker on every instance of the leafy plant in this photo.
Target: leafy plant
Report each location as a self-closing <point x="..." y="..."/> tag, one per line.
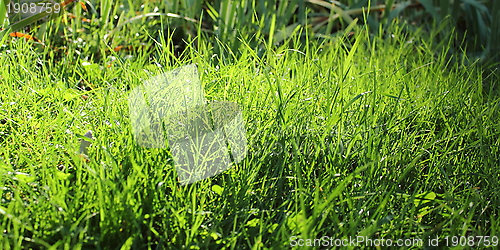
<point x="474" y="21"/>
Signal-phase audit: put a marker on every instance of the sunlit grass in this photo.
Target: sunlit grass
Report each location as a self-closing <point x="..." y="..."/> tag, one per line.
<point x="377" y="138"/>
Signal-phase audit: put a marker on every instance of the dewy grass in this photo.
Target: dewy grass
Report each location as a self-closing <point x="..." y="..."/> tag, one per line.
<point x="388" y="142"/>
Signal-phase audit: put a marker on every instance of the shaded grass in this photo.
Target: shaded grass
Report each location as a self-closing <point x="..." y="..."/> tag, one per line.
<point x="377" y="138"/>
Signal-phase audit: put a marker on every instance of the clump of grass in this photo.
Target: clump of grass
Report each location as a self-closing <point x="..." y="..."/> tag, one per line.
<point x="378" y="137"/>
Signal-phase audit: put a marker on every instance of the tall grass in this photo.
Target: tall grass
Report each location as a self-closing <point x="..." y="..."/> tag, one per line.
<point x="3" y="19"/>
<point x="226" y="23"/>
<point x="359" y="136"/>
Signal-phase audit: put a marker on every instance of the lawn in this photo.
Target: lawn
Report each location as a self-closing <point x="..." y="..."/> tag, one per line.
<point x="376" y="138"/>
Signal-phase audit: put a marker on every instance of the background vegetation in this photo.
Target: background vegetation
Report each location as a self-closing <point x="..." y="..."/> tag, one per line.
<point x="474" y="24"/>
<point x="363" y="118"/>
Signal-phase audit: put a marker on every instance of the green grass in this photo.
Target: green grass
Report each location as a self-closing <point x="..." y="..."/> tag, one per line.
<point x="380" y="138"/>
